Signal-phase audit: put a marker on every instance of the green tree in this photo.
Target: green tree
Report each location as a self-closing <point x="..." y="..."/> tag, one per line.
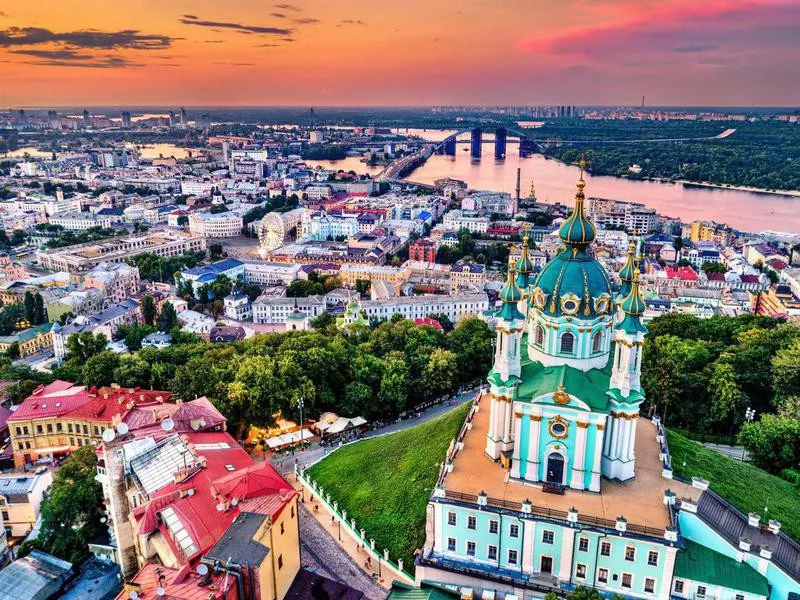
<point x="134" y="335"/>
<point x="325" y="319"/>
<point x="221" y="286"/>
<point x="301" y="288"/>
<point x="773" y="442"/>
<point x="149" y="310"/>
<point x="168" y="319"/>
<point x="133" y="371"/>
<point x="82" y="346"/>
<point x="727" y="401"/>
<point x="471" y="342"/>
<point x="39" y="311"/>
<point x="70" y="513"/>
<point x="30" y="308"/>
<point x="363" y="286"/>
<point x="394" y="384"/>
<point x="441" y="372"/>
<point x="714" y="267"/>
<point x="13" y="351"/>
<point x="99" y="369"/>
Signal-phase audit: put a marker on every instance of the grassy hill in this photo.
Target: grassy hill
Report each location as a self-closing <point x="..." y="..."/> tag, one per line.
<point x="747" y="487"/>
<point x="384" y="483"/>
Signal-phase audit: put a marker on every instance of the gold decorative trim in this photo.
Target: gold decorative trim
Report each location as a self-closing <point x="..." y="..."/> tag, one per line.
<point x="570" y="298"/>
<point x="518" y="414"/>
<point x="535" y="418"/>
<point x="558" y="420"/>
<point x="600" y="426"/>
<point x="582" y="425"/>
<point x="560" y="396"/>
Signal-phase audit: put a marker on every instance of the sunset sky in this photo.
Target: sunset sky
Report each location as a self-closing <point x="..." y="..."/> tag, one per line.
<point x="409" y="52"/>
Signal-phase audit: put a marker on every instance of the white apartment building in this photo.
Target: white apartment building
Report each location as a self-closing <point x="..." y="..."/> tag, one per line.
<point x="318" y="192"/>
<point x="455" y="220"/>
<point x="80" y="221"/>
<point x="192" y="187"/>
<point x="323" y="226"/>
<point x="116" y="280"/>
<point x="276" y="310"/>
<point x="265" y="273"/>
<point x="456" y="306"/>
<point x="219" y="225"/>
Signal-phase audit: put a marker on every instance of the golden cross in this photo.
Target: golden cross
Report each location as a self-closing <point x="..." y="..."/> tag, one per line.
<point x="583" y="162"/>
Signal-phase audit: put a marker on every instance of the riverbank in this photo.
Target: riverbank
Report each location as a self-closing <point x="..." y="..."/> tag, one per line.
<point x="740" y="188"/>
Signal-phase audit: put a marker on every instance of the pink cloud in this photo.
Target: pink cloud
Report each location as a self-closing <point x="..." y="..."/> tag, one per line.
<point x="684" y="26"/>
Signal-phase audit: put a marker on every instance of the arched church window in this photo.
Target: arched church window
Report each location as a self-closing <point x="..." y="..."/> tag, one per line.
<point x="567" y="343"/>
<point x="597" y="342"/>
<point x="539" y="336"/>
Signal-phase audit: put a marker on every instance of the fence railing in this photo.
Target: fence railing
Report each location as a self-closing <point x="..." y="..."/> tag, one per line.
<point x="351" y="527"/>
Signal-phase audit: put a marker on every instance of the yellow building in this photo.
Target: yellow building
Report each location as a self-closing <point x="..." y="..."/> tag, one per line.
<point x="20" y="498"/>
<point x="30" y="340"/>
<point x="709" y="231"/>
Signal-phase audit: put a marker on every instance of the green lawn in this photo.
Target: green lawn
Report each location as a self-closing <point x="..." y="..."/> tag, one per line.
<point x="747" y="487"/>
<point x="384" y="483"/>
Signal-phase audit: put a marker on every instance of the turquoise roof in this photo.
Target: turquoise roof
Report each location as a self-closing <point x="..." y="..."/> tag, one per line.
<point x="510" y="291"/>
<point x="632" y="325"/>
<point x="633" y="304"/>
<point x="524" y="264"/>
<point x="628" y="271"/>
<point x="573" y="271"/>
<point x="536" y="380"/>
<point x="698" y="563"/>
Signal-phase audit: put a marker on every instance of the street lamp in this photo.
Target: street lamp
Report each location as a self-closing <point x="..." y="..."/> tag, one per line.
<point x="749" y="415"/>
<point x="339" y="522"/>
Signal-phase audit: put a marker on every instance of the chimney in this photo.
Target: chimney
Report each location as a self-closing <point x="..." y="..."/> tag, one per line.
<point x="519" y="173"/>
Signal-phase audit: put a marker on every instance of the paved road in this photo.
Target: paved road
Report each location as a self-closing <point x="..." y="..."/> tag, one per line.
<point x="323" y="555"/>
<point x="285" y="463"/>
<point x="734" y="452"/>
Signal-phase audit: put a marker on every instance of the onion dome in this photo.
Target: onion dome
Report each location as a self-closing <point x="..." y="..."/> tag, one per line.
<point x="627" y="273"/>
<point x="578" y="230"/>
<point x="574" y="283"/>
<point x="510" y="295"/>
<point x="633" y="308"/>
<point x="523" y="266"/>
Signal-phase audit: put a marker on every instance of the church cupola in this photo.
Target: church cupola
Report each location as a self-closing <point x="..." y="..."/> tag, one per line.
<point x="629" y="336"/>
<point x="510" y="295"/>
<point x="578" y="231"/>
<point x="626" y="274"/>
<point x="524" y="266"/>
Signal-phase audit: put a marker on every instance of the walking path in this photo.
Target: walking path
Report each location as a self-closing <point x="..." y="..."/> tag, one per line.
<point x="734" y="452"/>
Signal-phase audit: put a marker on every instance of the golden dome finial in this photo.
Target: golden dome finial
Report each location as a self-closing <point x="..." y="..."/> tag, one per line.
<point x="582" y="163"/>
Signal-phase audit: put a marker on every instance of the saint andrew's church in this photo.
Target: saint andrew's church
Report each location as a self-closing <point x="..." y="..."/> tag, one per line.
<point x="556" y="481"/>
<point x="561" y="411"/>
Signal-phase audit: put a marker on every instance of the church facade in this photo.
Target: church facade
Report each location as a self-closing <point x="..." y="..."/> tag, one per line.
<point x="556" y="480"/>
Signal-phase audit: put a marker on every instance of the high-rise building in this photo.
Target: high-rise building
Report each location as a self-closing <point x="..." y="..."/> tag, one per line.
<point x="126" y="119"/>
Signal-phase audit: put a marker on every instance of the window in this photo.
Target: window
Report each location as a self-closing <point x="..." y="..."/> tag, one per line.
<point x="5" y="516"/>
<point x="49" y="428"/>
<point x="627" y="580"/>
<point x="39" y="429"/>
<point x="493" y="526"/>
<point x="678" y="586"/>
<point x="701" y="591"/>
<point x="451" y="518"/>
<point x="567" y="343"/>
<point x="72" y="441"/>
<point x="602" y="575"/>
<point x="513" y="530"/>
<point x="539" y="335"/>
<point x="630" y="553"/>
<point x="652" y="558"/>
<point x="580" y="571"/>
<point x="291" y="513"/>
<point x="58" y="427"/>
<point x="27" y="445"/>
<point x="281" y="528"/>
<point x="471" y="523"/>
<point x="597" y="342"/>
<point x="69" y="427"/>
<point x="547" y="537"/>
<point x="470" y="548"/>
<point x="280" y="561"/>
<point x="25" y="430"/>
<point x="85" y="430"/>
<point x="451" y="544"/>
<point x="739" y="596"/>
<point x="583" y="544"/>
<point x="649" y="585"/>
<point x="491" y="553"/>
<point x="605" y="549"/>
<point x="512" y="557"/>
<point x="19" y="430"/>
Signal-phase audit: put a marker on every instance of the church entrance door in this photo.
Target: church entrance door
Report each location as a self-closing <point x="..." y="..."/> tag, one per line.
<point x="555" y="468"/>
<point x="547" y="564"/>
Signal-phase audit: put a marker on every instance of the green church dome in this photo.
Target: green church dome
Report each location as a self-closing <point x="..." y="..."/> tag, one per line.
<point x="574" y="282"/>
<point x="578" y="229"/>
<point x="633" y="304"/>
<point x="510" y="291"/>
<point x="524" y="264"/>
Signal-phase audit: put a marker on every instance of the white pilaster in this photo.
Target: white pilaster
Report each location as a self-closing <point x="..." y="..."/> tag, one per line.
<point x="438" y="509"/>
<point x="669" y="566"/>
<point x="594" y="485"/>
<point x="532" y="470"/>
<point x="529" y="535"/>
<point x="517" y="429"/>
<point x="565" y="565"/>
<point x="631" y="453"/>
<point x="578" y="468"/>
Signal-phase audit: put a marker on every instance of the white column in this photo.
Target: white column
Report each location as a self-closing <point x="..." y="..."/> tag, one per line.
<point x="594" y="485"/>
<point x="607" y="437"/>
<point x="622" y="426"/>
<point x="612" y="449"/>
<point x="578" y="468"/>
<point x="627" y="440"/>
<point x="517" y="427"/>
<point x="508" y="407"/>
<point x="529" y="536"/>
<point x="632" y="440"/>
<point x="565" y="566"/>
<point x="532" y="470"/>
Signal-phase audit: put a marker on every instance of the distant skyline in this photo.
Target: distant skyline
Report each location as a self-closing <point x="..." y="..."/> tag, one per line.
<point x="413" y="53"/>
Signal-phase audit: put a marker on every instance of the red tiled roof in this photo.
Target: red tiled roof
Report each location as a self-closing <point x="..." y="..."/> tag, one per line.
<point x="179" y="584"/>
<point x="4" y="415"/>
<point x="200" y="413"/>
<point x="52" y="400"/>
<point x="716" y="276"/>
<point x="682" y="273"/>
<point x="428" y="321"/>
<point x="776" y="264"/>
<point x="749" y="278"/>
